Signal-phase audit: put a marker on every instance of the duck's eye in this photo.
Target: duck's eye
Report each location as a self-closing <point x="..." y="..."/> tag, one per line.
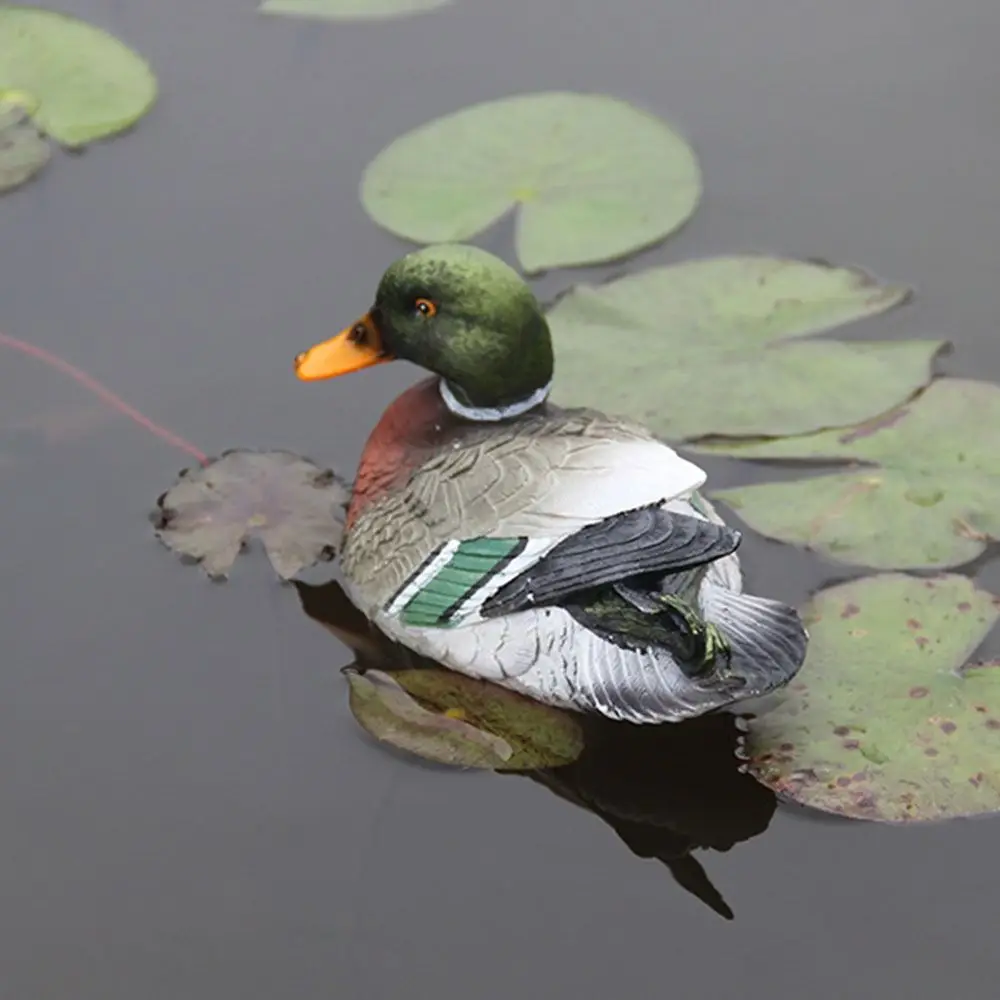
<point x="425" y="307"/>
<point x="359" y="333"/>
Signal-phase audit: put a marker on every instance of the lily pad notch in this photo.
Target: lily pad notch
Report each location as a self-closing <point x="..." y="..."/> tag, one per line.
<point x="923" y="491"/>
<point x="593" y="178"/>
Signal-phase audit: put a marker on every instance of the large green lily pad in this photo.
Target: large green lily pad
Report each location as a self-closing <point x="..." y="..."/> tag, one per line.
<point x="23" y="152"/>
<point x="295" y="508"/>
<point x="452" y="719"/>
<point x="711" y="347"/>
<point x="596" y="178"/>
<point x="83" y="83"/>
<point x="930" y="499"/>
<point x="886" y="721"/>
<point x="348" y="10"/>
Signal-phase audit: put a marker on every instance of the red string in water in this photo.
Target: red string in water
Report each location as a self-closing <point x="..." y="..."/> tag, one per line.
<point x="115" y="402"/>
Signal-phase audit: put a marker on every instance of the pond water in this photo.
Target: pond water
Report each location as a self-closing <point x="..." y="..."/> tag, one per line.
<point x="189" y="809"/>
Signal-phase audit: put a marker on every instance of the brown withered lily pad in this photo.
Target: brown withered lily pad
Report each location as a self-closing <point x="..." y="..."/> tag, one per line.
<point x="295" y="509"/>
<point x="452" y="719"/>
<point x="888" y="720"/>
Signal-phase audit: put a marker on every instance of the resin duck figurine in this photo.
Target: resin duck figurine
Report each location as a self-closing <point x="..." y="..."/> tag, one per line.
<point x="561" y="553"/>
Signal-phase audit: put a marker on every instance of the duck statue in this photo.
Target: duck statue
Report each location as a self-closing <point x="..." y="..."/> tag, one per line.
<point x="562" y="553"/>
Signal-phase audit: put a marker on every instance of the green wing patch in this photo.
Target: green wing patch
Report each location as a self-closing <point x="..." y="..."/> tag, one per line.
<point x="472" y="563"/>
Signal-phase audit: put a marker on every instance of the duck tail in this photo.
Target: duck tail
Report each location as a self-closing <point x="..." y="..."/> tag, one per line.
<point x="767" y="638"/>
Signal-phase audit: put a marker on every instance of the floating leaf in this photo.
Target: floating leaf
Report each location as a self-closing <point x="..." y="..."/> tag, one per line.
<point x="23" y="151"/>
<point x="295" y="508"/>
<point x="709" y="347"/>
<point x="349" y="10"/>
<point x="932" y="498"/>
<point x="884" y="723"/>
<point x="453" y="719"/>
<point x="83" y="83"/>
<point x="595" y="178"/>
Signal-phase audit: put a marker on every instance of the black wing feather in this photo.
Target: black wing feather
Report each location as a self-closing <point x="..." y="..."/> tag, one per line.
<point x="633" y="543"/>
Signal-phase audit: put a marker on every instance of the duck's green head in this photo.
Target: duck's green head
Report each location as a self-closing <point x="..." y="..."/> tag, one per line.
<point x="459" y="312"/>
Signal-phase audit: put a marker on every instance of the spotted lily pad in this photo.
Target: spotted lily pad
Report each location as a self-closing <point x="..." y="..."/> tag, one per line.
<point x="294" y="507"/>
<point x="23" y="151"/>
<point x="930" y="497"/>
<point x="81" y="83"/>
<point x="713" y="346"/>
<point x="595" y="178"/>
<point x="886" y="721"/>
<point x="349" y="10"/>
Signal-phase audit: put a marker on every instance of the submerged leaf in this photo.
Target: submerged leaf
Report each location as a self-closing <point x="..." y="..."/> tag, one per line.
<point x="23" y="151"/>
<point x="710" y="347"/>
<point x="349" y="10"/>
<point x="930" y="498"/>
<point x="883" y="722"/>
<point x="295" y="508"/>
<point x="83" y="83"/>
<point x="453" y="719"/>
<point x="383" y="708"/>
<point x="595" y="178"/>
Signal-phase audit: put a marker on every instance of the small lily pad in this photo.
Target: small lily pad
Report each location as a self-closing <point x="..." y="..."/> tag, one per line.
<point x="712" y="347"/>
<point x="929" y="499"/>
<point x="452" y="719"/>
<point x="82" y="83"/>
<point x="23" y="151"/>
<point x="293" y="506"/>
<point x="349" y="10"/>
<point x="596" y="178"/>
<point x="885" y="721"/>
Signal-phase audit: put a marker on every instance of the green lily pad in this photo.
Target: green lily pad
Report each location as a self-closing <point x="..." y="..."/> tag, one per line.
<point x="711" y="347"/>
<point x="23" y="151"/>
<point x="595" y="178"/>
<point x="885" y="721"/>
<point x="84" y="84"/>
<point x="452" y="719"/>
<point x="930" y="499"/>
<point x="349" y="10"/>
<point x="294" y="507"/>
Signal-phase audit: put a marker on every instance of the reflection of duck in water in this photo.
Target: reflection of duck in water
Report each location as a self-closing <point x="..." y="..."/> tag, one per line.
<point x="560" y="553"/>
<point x="665" y="790"/>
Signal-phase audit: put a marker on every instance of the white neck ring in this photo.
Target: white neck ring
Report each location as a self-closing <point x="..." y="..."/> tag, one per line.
<point x="491" y="414"/>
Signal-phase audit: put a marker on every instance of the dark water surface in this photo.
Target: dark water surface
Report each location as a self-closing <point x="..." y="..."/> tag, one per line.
<point x="188" y="810"/>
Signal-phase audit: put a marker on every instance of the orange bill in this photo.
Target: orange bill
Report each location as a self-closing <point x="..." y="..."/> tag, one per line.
<point x="358" y="346"/>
